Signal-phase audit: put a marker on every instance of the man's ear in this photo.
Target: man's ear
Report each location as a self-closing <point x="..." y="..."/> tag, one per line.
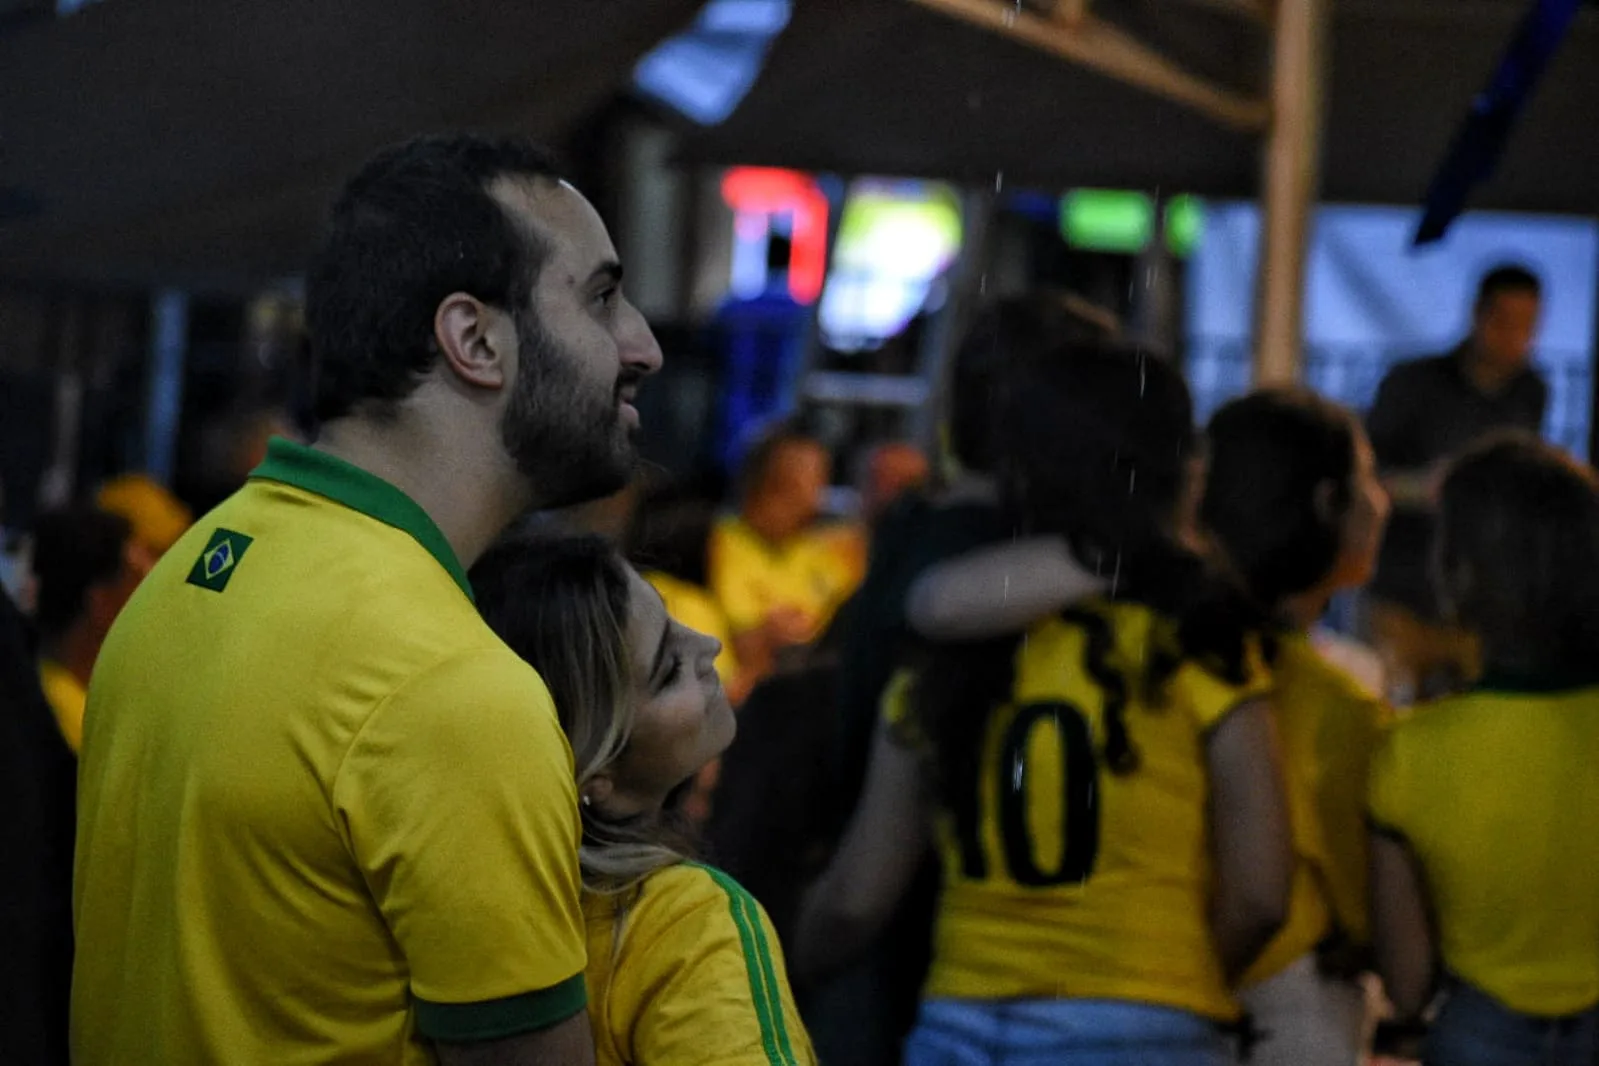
<point x="475" y="340"/>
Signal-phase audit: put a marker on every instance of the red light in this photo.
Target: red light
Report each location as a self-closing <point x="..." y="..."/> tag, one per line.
<point x="768" y="191"/>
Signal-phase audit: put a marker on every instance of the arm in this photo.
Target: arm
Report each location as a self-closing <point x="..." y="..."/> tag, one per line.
<point x="571" y="1043"/>
<point x="458" y="803"/>
<point x="997" y="590"/>
<point x="1410" y="481"/>
<point x="873" y="866"/>
<point x="1249" y="835"/>
<point x="1400" y="924"/>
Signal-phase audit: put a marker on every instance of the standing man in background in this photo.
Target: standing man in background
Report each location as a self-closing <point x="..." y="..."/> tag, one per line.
<point x="1427" y="411"/>
<point x="326" y="815"/>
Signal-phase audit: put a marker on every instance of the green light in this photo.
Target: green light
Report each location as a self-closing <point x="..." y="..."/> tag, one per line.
<point x="1185" y="224"/>
<point x="1107" y="220"/>
<point x="1122" y="221"/>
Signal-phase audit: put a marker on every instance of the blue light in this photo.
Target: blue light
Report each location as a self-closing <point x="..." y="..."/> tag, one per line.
<point x="706" y="71"/>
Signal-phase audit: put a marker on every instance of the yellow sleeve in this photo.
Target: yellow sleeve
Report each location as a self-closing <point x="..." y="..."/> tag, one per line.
<point x="1210" y="697"/>
<point x="733" y="574"/>
<point x="67" y="699"/>
<point x="460" y="808"/>
<point x="1348" y="741"/>
<point x="1385" y="789"/>
<point x="703" y="981"/>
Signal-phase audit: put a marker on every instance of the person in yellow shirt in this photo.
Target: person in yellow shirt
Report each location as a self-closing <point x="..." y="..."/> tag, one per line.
<point x="1294" y="502"/>
<point x="1103" y="789"/>
<point x="779" y="574"/>
<point x="158" y="517"/>
<point x="683" y="965"/>
<point x="325" y="814"/>
<point x="87" y="564"/>
<point x="1485" y="875"/>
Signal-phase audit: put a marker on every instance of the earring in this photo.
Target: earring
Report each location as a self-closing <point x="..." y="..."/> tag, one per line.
<point x="588" y="801"/>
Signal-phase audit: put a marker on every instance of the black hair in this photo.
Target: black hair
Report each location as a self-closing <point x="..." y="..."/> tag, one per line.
<point x="1507" y="277"/>
<point x="1003" y="333"/>
<point x="414" y="225"/>
<point x="757" y="464"/>
<point x="1518" y="556"/>
<point x="73" y="551"/>
<point x="1094" y="444"/>
<point x="1270" y="452"/>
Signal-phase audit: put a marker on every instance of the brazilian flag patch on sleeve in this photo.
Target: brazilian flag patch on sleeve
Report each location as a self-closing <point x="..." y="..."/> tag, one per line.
<point x="222" y="555"/>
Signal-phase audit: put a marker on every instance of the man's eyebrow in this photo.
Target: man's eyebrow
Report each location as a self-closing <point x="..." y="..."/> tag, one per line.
<point x="611" y="271"/>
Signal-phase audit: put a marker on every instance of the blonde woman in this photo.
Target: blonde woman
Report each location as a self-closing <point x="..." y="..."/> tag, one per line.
<point x="683" y="964"/>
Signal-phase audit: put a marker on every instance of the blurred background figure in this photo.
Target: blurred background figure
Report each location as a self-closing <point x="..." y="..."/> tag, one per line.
<point x="889" y="472"/>
<point x="157" y="516"/>
<point x="778" y="572"/>
<point x="87" y="563"/>
<point x="1427" y="411"/>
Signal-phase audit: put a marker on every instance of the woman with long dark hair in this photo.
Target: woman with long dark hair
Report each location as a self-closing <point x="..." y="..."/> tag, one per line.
<point x="1485" y="877"/>
<point x="1104" y="787"/>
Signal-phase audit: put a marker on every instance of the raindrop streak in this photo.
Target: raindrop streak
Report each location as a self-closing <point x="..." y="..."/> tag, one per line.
<point x="999" y="180"/>
<point x="1010" y="14"/>
<point x="1116" y="575"/>
<point x="1132" y="480"/>
<point x="1143" y="378"/>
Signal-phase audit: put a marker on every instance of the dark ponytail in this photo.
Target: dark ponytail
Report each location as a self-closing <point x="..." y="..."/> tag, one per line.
<point x="1095" y="444"/>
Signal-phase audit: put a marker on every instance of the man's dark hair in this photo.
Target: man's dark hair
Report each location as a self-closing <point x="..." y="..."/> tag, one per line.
<point x="1507" y="277"/>
<point x="73" y="551"/>
<point x="414" y="225"/>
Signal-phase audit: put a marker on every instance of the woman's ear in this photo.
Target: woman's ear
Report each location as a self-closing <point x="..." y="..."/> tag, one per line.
<point x="596" y="791"/>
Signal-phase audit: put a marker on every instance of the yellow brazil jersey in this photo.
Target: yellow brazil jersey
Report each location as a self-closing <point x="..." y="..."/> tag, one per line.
<point x="696" y="608"/>
<point x="812" y="574"/>
<point x="1069" y="881"/>
<point x="1495" y="792"/>
<point x="1329" y="727"/>
<point x="323" y="811"/>
<point x="686" y="970"/>
<point x="66" y="695"/>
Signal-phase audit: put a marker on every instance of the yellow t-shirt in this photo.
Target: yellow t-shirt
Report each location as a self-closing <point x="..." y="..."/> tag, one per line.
<point x="1329" y="727"/>
<point x="1074" y="882"/>
<point x="812" y="573"/>
<point x="66" y="696"/>
<point x="691" y="973"/>
<point x="1497" y="795"/>
<point x="323" y="810"/>
<point x="696" y="608"/>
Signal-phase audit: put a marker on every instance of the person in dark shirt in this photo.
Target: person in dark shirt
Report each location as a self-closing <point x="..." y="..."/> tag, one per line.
<point x="37" y="808"/>
<point x="1427" y="411"/>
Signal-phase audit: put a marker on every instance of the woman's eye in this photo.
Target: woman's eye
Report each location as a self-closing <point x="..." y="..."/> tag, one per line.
<point x="673" y="672"/>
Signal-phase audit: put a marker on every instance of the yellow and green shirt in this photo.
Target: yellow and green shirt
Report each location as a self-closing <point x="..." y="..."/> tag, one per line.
<point x="66" y="696"/>
<point x="1065" y="880"/>
<point x="1328" y="726"/>
<point x="1495" y="792"/>
<point x="687" y="971"/>
<point x="324" y="813"/>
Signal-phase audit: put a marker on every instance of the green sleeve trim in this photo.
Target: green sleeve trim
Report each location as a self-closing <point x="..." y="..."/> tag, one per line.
<point x="496" y="1019"/>
<point x="765" y="990"/>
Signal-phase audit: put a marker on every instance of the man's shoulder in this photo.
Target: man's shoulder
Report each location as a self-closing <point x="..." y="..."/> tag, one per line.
<point x="1421" y="369"/>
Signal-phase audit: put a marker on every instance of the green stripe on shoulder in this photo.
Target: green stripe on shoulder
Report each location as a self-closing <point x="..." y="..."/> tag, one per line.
<point x="765" y="989"/>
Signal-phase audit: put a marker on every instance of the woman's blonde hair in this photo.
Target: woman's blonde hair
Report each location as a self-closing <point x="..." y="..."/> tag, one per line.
<point x="561" y="603"/>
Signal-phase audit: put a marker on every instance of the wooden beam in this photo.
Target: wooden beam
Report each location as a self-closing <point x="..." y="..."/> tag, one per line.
<point x="1255" y="10"/>
<point x="1104" y="48"/>
<point x="1291" y="180"/>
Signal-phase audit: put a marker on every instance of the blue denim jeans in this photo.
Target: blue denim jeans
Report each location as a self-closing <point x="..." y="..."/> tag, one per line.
<point x="1474" y="1029"/>
<point x="1061" y="1032"/>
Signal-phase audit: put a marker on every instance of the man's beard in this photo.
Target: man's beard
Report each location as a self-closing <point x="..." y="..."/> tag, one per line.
<point x="563" y="433"/>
